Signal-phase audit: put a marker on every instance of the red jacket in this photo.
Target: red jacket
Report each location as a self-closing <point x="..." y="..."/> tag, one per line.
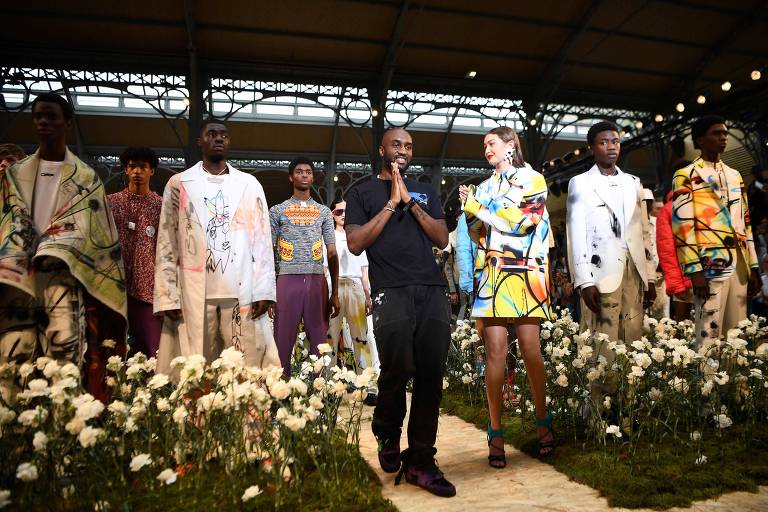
<point x="674" y="279"/>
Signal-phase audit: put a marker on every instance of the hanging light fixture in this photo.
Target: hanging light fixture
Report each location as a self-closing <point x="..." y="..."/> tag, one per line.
<point x="755" y="74"/>
<point x="726" y="86"/>
<point x="658" y="118"/>
<point x="701" y="99"/>
<point x="680" y="107"/>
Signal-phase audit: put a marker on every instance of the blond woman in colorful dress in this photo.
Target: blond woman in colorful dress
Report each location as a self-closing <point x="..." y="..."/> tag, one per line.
<point x="508" y="219"/>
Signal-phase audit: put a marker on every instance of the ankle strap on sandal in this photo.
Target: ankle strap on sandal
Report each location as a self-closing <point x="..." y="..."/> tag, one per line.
<point x="546" y="421"/>
<point x="495" y="433"/>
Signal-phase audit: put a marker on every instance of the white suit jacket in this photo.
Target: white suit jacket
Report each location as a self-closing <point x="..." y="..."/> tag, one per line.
<point x="593" y="246"/>
<point x="180" y="264"/>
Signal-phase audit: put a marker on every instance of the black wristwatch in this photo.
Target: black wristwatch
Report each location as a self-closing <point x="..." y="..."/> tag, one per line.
<point x="409" y="205"/>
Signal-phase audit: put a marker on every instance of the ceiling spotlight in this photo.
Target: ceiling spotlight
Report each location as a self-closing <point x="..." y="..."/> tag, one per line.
<point x="658" y="118"/>
<point x="443" y="182"/>
<point x="533" y="122"/>
<point x="638" y="124"/>
<point x="701" y="99"/>
<point x="471" y="74"/>
<point x="756" y="74"/>
<point x="335" y="178"/>
<point x="726" y="86"/>
<point x="374" y="112"/>
<point x="680" y="107"/>
<point x="576" y="152"/>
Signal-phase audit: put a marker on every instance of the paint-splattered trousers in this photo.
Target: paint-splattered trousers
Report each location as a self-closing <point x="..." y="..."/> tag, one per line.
<point x="224" y="327"/>
<point x="413" y="332"/>
<point x="621" y="318"/>
<point x="352" y="302"/>
<point x="726" y="306"/>
<point x="300" y="296"/>
<point x="62" y="322"/>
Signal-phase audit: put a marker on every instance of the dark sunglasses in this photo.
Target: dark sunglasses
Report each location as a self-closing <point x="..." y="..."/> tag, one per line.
<point x="338" y="211"/>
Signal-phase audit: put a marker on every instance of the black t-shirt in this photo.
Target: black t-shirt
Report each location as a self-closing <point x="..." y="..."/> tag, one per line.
<point x="402" y="254"/>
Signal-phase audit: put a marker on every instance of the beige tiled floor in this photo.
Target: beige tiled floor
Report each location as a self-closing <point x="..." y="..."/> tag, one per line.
<point x="526" y="483"/>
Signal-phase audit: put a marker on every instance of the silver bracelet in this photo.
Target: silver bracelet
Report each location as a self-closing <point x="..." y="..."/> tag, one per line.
<point x="390" y="209"/>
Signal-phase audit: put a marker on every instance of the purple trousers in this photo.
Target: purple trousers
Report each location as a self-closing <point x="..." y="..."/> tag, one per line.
<point x="144" y="327"/>
<point x="300" y="296"/>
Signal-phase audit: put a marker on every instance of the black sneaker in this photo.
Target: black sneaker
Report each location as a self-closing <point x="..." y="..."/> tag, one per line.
<point x="371" y="399"/>
<point x="389" y="454"/>
<point x="426" y="475"/>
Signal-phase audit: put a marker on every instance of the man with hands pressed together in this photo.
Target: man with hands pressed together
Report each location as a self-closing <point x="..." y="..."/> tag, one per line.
<point x="397" y="220"/>
<point x="713" y="236"/>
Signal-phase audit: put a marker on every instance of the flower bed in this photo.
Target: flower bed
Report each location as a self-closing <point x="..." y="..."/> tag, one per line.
<point x="685" y="423"/>
<point x="225" y="437"/>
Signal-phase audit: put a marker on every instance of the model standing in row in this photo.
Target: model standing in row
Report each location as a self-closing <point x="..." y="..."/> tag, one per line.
<point x="508" y="219"/>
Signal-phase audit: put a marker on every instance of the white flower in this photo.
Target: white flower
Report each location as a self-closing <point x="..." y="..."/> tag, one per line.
<point x="6" y="415"/>
<point x="89" y="410"/>
<point x="695" y="435"/>
<point x="466" y="379"/>
<point x="721" y="378"/>
<point x="69" y="371"/>
<point x="109" y="343"/>
<point x="607" y="402"/>
<point x="139" y="461"/>
<point x="562" y="380"/>
<point x="33" y="417"/>
<point x="180" y="414"/>
<point x="89" y="436"/>
<point x="467" y="367"/>
<point x="75" y="425"/>
<point x="701" y="459"/>
<point x="316" y="402"/>
<point x="756" y="373"/>
<point x="114" y="363"/>
<point x="613" y="430"/>
<point x="297" y="385"/>
<point x="118" y="408"/>
<point x="657" y="354"/>
<point x="294" y="423"/>
<point x="232" y="358"/>
<point x="26" y="472"/>
<point x="40" y="441"/>
<point x="5" y="498"/>
<point x="445" y="384"/>
<point x="339" y="388"/>
<point x="163" y="405"/>
<point x="37" y="387"/>
<point x="251" y="493"/>
<point x="167" y="476"/>
<point x="25" y="370"/>
<point x="545" y="334"/>
<point x="279" y="390"/>
<point x="578" y="363"/>
<point x="158" y="380"/>
<point x="723" y="421"/>
<point x="324" y="348"/>
<point x="655" y="394"/>
<point x="706" y="389"/>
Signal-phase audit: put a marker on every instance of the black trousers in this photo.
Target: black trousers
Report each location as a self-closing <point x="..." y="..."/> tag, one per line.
<point x="413" y="332"/>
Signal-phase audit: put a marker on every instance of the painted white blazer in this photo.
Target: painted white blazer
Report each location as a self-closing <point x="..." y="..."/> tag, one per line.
<point x="593" y="246"/>
<point x="180" y="264"/>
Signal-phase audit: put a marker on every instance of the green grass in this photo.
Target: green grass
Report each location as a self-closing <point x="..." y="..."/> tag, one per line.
<point x="359" y="489"/>
<point x="659" y="477"/>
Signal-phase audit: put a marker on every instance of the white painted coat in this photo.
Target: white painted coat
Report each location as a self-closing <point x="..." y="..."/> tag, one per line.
<point x="180" y="265"/>
<point x="593" y="247"/>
